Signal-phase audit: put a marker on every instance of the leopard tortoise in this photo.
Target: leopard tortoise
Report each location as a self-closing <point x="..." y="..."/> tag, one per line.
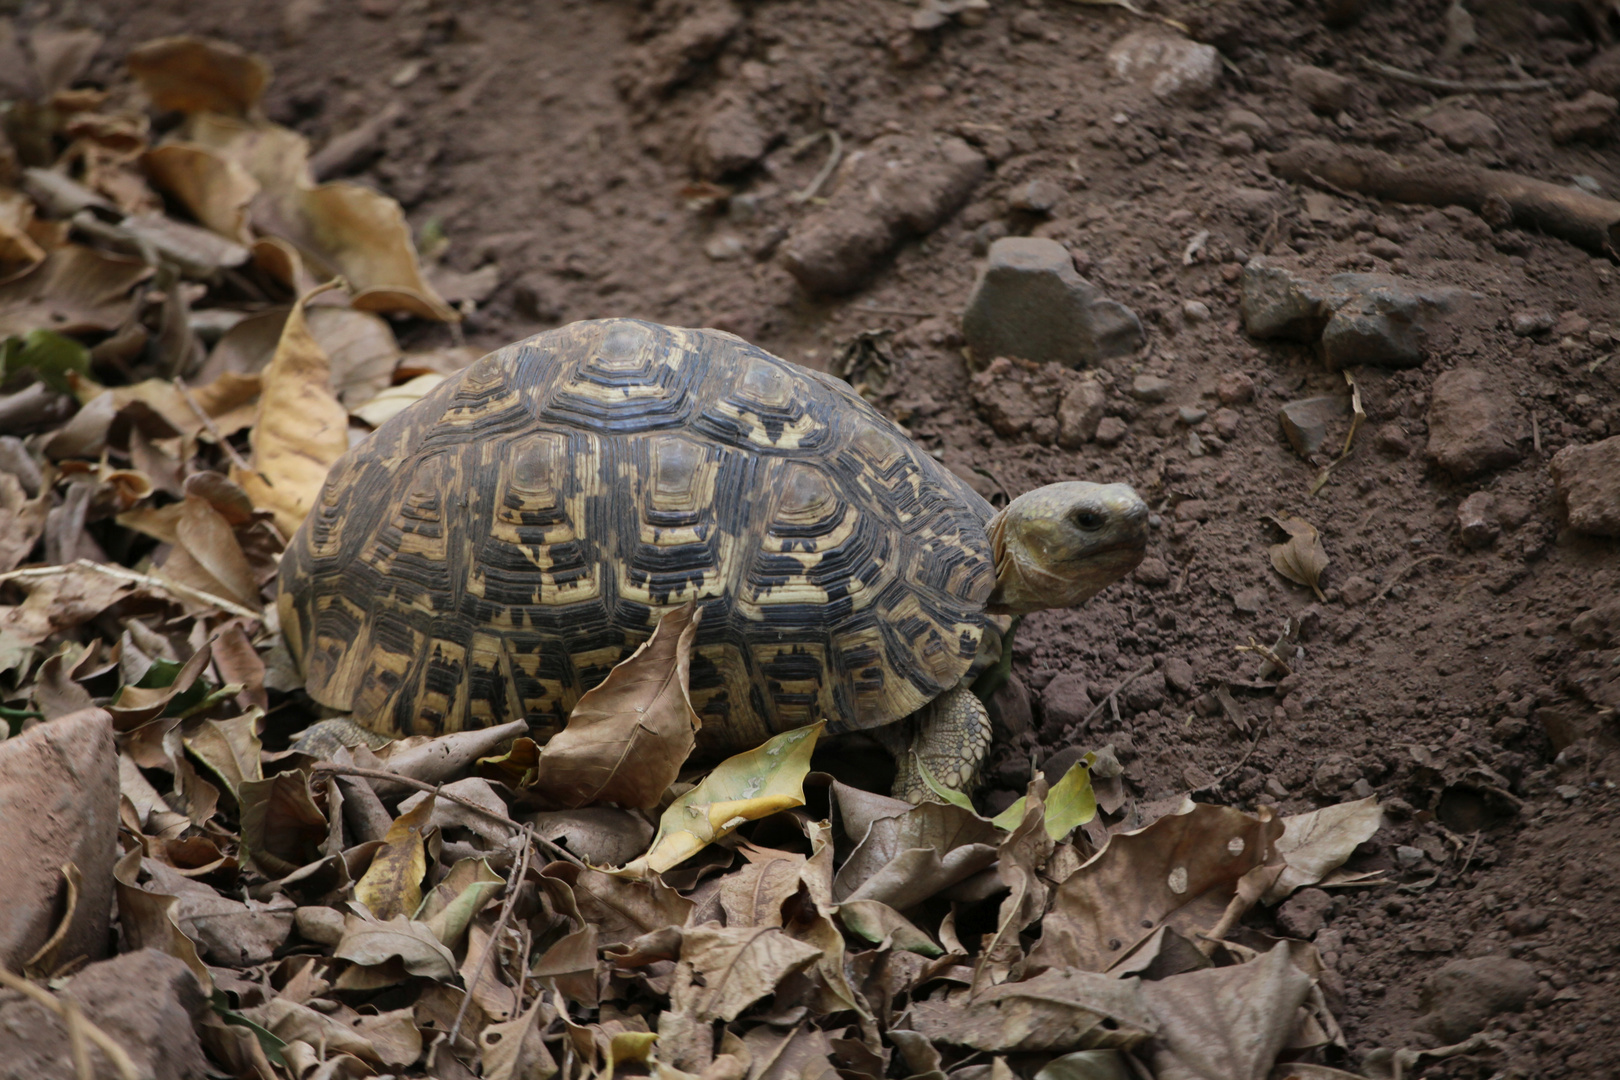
<point x="494" y="549"/>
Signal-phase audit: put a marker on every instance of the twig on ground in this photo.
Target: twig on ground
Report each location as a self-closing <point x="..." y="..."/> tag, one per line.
<point x="74" y="1019"/>
<point x="1501" y="198"/>
<point x="185" y="592"/>
<point x="1407" y="569"/>
<point x="1535" y="433"/>
<point x="494" y="939"/>
<point x="212" y="428"/>
<point x="834" y="156"/>
<point x="1456" y="86"/>
<point x="1269" y="653"/>
<point x="1132" y="677"/>
<point x="434" y="789"/>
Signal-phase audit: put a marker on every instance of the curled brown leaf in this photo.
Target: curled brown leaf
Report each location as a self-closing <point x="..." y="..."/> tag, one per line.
<point x="1301" y="558"/>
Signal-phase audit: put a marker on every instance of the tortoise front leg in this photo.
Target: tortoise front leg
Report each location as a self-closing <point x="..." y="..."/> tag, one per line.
<point x="951" y="739"/>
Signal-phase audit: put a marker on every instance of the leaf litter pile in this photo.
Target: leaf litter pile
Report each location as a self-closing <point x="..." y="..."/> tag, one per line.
<point x="192" y="333"/>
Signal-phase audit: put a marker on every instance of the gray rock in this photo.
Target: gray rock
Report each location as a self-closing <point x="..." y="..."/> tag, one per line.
<point x="1279" y="303"/>
<point x="1305" y="422"/>
<point x="1464" y="129"/>
<point x="1599" y="626"/>
<point x="1227" y="422"/>
<point x="1407" y="856"/>
<point x="1471" y="424"/>
<point x="1146" y="693"/>
<point x="16" y="460"/>
<point x="1321" y="89"/>
<point x="1334" y="774"/>
<point x="1031" y="303"/>
<point x="1247" y="123"/>
<point x="1587" y="117"/>
<point x="1064" y="703"/>
<point x="1463" y="996"/>
<point x="1179" y="675"/>
<point x="895" y="188"/>
<point x="1530" y="323"/>
<point x="148" y="1003"/>
<point x="1587" y="479"/>
<point x="1234" y="388"/>
<point x="1151" y="571"/>
<point x="1009" y="708"/>
<point x="1391" y="438"/>
<point x="1249" y="601"/>
<point x="1196" y="311"/>
<point x="1357" y="590"/>
<point x="1359" y="318"/>
<point x="1171" y="67"/>
<point x="1079" y="412"/>
<point x="59" y="803"/>
<point x="729" y="138"/>
<point x="1476" y="520"/>
<point x="1150" y="388"/>
<point x="1035" y="197"/>
<point x="1382" y="320"/>
<point x="1304" y="913"/>
<point x="1190" y="415"/>
<point x="1111" y="430"/>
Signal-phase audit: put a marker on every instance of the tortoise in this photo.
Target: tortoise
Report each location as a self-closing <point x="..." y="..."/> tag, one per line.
<point x="493" y="550"/>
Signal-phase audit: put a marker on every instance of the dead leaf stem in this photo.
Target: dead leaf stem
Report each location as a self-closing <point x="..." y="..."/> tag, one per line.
<point x="183" y="591"/>
<point x="834" y="156"/>
<point x="212" y="428"/>
<point x="495" y="936"/>
<point x="449" y="796"/>
<point x="74" y="1019"/>
<point x="1132" y="677"/>
<point x="1407" y="569"/>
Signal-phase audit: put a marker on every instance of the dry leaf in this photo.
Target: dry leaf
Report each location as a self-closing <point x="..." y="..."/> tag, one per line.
<point x="211" y="187"/>
<point x="301" y="430"/>
<point x="22" y="521"/>
<point x="904" y="859"/>
<point x="1301" y="559"/>
<point x="147" y="919"/>
<point x="1183" y="867"/>
<point x="621" y="910"/>
<point x="282" y="828"/>
<point x="390" y="402"/>
<point x="363" y="235"/>
<point x="627" y="738"/>
<point x="1313" y="845"/>
<point x="1229" y="1022"/>
<point x="189" y="74"/>
<point x="76" y="290"/>
<point x="370" y="942"/>
<point x="1055" y="1011"/>
<point x="742" y="788"/>
<point x="392" y="885"/>
<point x="738" y="965"/>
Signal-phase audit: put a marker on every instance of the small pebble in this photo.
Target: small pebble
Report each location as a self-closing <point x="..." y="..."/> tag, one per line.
<point x="1110" y="431"/>
<point x="1196" y="311"/>
<point x="1530" y="323"/>
<point x="1190" y="415"/>
<point x="1150" y="388"/>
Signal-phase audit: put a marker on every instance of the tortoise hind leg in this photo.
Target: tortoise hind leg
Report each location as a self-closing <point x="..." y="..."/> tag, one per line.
<point x="951" y="740"/>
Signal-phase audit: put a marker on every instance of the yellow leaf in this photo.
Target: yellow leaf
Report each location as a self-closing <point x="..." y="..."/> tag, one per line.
<point x="742" y="788"/>
<point x="392" y="885"/>
<point x="301" y="430"/>
<point x="214" y="189"/>
<point x="627" y="737"/>
<point x="362" y="234"/>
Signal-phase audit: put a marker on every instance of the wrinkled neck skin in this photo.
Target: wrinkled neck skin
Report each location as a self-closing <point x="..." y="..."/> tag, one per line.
<point x="1023" y="586"/>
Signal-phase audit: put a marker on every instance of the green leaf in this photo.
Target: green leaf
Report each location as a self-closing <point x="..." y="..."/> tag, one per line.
<point x="268" y="1040"/>
<point x="47" y="352"/>
<point x="1071" y="802"/>
<point x="955" y="798"/>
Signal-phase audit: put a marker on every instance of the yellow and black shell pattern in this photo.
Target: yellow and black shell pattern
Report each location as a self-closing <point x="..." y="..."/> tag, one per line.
<point x="494" y="549"/>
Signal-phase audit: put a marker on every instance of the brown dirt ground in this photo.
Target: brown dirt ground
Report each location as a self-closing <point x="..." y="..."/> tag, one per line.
<point x="519" y="139"/>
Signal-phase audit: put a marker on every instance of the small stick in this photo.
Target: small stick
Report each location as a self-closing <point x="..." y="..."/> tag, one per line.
<point x="213" y="429"/>
<point x="903" y="312"/>
<point x="1407" y="569"/>
<point x="172" y="587"/>
<point x="1535" y="433"/>
<point x="494" y="940"/>
<point x="1132" y="677"/>
<point x="422" y="785"/>
<point x="1456" y="86"/>
<point x="833" y="157"/>
<point x="115" y="1053"/>
<point x="1269" y="653"/>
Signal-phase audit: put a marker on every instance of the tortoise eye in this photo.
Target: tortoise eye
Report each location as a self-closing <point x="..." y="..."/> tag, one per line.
<point x="1088" y="519"/>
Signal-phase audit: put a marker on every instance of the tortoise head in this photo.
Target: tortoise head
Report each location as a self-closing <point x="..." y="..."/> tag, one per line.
<point x="1062" y="544"/>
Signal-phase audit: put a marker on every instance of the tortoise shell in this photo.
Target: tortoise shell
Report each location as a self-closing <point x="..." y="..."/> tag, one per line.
<point x="494" y="549"/>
